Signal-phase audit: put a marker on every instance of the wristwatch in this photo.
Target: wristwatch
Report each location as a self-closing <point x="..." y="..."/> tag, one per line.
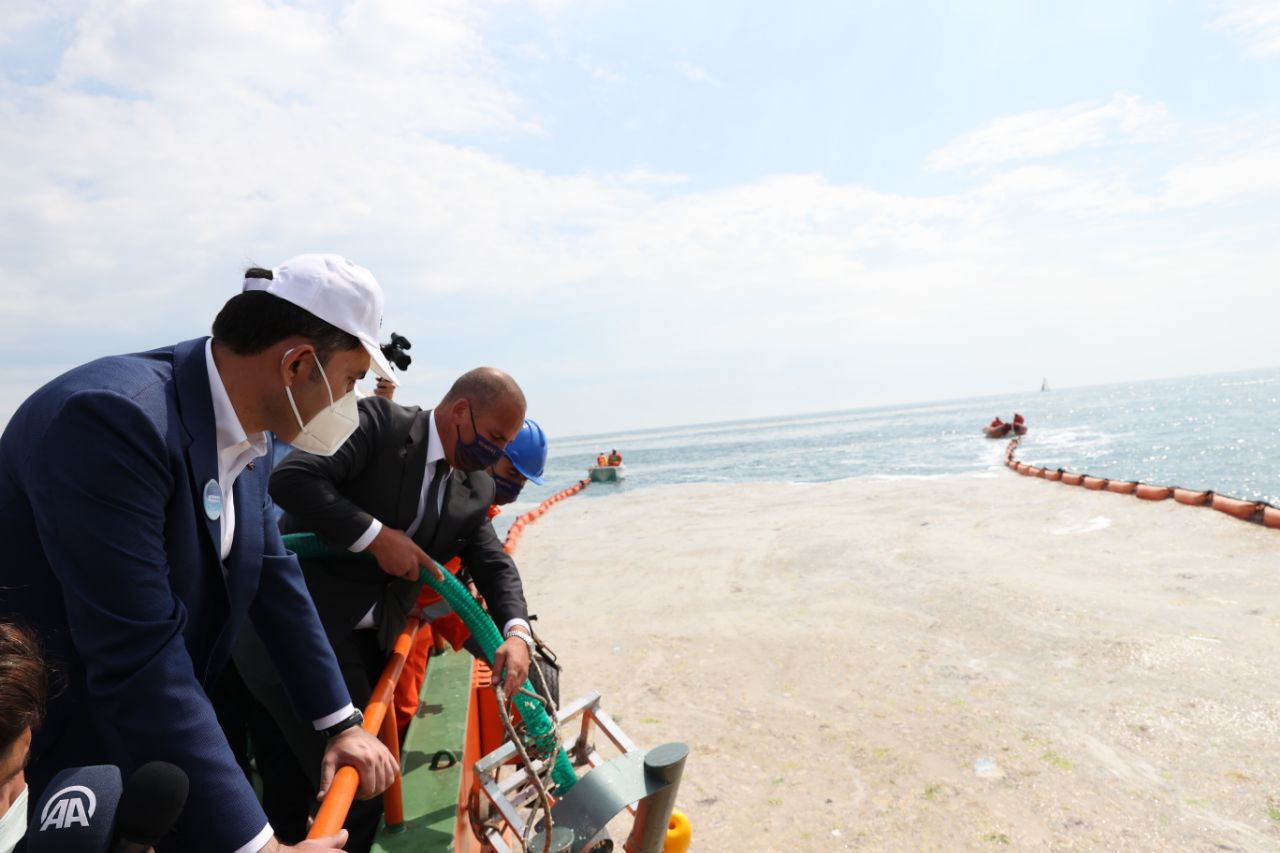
<point x="341" y="726"/>
<point x="528" y="640"/>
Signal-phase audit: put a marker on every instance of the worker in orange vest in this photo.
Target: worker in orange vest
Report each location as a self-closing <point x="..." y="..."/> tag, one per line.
<point x="602" y="461"/>
<point x="524" y="459"/>
<point x="615" y="458"/>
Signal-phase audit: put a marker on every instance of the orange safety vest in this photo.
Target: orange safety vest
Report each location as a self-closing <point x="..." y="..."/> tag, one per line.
<point x="601" y="461"/>
<point x="444" y="623"/>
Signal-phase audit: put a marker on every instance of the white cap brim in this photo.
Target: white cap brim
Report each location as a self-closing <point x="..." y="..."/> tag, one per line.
<point x="377" y="360"/>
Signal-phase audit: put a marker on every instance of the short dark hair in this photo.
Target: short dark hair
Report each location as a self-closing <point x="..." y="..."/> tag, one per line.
<point x="252" y="321"/>
<point x="23" y="683"/>
<point x="484" y="387"/>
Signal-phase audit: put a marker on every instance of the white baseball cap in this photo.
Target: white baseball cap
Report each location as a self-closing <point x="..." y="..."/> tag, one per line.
<point x="335" y="290"/>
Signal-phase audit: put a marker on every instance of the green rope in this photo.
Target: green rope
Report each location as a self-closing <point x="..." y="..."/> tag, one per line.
<point x="537" y="723"/>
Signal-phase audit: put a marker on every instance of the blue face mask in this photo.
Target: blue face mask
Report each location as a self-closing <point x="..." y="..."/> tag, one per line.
<point x="477" y="454"/>
<point x="507" y="490"/>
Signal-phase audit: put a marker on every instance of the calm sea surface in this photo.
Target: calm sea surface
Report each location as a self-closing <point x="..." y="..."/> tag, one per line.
<point x="1217" y="432"/>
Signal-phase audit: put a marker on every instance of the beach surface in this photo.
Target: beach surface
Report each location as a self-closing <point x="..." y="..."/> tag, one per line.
<point x="936" y="664"/>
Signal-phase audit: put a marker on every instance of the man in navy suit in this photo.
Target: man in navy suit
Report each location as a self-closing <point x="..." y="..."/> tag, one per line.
<point x="140" y="538"/>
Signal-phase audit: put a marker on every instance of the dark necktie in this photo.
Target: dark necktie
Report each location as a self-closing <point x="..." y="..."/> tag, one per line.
<point x="431" y="512"/>
<point x="399" y="596"/>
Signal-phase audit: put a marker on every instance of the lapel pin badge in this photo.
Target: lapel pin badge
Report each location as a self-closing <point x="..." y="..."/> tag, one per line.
<point x="213" y="500"/>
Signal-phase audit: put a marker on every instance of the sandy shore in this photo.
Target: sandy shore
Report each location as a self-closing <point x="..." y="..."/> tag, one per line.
<point x="845" y="659"/>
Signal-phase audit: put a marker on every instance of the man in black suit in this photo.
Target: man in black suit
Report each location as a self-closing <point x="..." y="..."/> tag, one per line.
<point x="408" y="486"/>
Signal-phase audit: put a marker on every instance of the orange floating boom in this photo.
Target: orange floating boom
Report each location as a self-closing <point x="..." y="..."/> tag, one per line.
<point x="1153" y="493"/>
<point x="1258" y="512"/>
<point x="1234" y="507"/>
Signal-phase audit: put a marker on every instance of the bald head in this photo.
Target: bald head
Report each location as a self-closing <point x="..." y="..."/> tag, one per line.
<point x="486" y="388"/>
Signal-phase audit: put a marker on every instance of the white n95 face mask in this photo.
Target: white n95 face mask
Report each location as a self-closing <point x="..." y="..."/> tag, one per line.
<point x="332" y="426"/>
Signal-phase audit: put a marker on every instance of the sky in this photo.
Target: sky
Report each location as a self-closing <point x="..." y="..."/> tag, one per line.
<point x="659" y="212"/>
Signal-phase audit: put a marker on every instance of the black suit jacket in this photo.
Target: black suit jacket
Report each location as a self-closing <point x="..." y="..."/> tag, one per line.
<point x="378" y="474"/>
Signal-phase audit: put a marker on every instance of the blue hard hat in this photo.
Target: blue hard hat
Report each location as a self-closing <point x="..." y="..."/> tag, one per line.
<point x="528" y="451"/>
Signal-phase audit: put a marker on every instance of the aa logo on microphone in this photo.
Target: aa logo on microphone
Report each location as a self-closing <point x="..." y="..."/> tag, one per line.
<point x="74" y="805"/>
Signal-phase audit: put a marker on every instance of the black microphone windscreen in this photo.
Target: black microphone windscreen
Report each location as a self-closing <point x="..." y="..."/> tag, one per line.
<point x="77" y="811"/>
<point x="152" y="801"/>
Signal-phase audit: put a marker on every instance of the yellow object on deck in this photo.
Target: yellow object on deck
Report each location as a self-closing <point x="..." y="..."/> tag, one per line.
<point x="679" y="834"/>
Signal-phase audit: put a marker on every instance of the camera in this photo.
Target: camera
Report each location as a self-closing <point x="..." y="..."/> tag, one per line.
<point x="395" y="351"/>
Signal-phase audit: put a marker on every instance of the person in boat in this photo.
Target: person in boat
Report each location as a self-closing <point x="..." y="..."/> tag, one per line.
<point x="602" y="461"/>
<point x="134" y="507"/>
<point x="996" y="423"/>
<point x="523" y="460"/>
<point x="615" y="458"/>
<point x="1018" y="420"/>
<point x="408" y="487"/>
<point x="23" y="686"/>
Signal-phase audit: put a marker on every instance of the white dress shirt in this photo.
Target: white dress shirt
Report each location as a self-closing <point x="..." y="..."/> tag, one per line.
<point x="235" y="451"/>
<point x="13" y="824"/>
<point x="435" y="456"/>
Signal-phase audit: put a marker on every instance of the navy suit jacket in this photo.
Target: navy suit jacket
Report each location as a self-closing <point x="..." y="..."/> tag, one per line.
<point x="109" y="555"/>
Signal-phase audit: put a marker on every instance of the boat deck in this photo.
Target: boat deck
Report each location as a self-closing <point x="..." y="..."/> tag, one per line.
<point x="431" y="796"/>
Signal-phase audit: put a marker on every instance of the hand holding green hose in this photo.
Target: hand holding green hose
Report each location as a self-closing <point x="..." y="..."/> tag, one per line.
<point x="538" y="724"/>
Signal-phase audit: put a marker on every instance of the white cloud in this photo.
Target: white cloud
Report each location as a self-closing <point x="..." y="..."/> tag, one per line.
<point x="406" y="65"/>
<point x="599" y="72"/>
<point x="648" y="178"/>
<point x="18" y="15"/>
<point x="1251" y="172"/>
<point x="178" y="144"/>
<point x="183" y="137"/>
<point x="1258" y="21"/>
<point x="1064" y="191"/>
<point x="696" y="74"/>
<point x="1044" y="133"/>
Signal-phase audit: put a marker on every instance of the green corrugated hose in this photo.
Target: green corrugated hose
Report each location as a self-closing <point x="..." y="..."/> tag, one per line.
<point x="537" y="723"/>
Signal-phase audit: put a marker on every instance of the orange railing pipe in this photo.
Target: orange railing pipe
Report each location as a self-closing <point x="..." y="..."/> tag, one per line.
<point x="377" y="715"/>
<point x="393" y="797"/>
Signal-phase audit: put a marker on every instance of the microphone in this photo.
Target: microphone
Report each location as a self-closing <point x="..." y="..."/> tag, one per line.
<point x="150" y="805"/>
<point x="77" y="811"/>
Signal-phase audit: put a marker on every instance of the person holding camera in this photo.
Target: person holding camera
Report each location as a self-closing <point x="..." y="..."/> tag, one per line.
<point x="395" y="351"/>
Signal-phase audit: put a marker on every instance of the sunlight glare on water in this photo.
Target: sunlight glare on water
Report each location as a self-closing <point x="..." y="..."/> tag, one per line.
<point x="1207" y="432"/>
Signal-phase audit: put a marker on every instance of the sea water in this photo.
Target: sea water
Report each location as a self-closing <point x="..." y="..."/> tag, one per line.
<point x="1219" y="432"/>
